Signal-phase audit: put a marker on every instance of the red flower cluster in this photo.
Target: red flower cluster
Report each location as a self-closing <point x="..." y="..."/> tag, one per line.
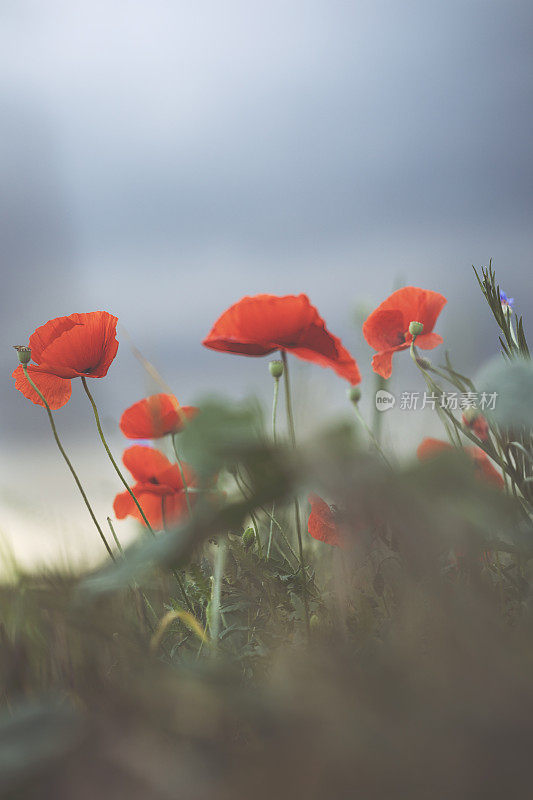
<point x="387" y="328"/>
<point x="256" y="326"/>
<point x="430" y="448"/>
<point x="65" y="348"/>
<point x="154" y="417"/>
<point x="159" y="488"/>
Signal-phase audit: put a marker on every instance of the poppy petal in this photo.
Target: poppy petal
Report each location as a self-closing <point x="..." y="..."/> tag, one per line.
<point x="382" y="363"/>
<point x="87" y="348"/>
<point x="428" y="341"/>
<point x="154" y="417"/>
<point x="171" y="477"/>
<point x="384" y="329"/>
<point x="56" y="390"/>
<point x="123" y="505"/>
<point x="484" y="468"/>
<point x="259" y="325"/>
<point x="150" y="502"/>
<point x="429" y="308"/>
<point x="321" y="524"/>
<point x="321" y="347"/>
<point x="174" y="508"/>
<point x="47" y="333"/>
<point x="429" y="448"/>
<point x="145" y="463"/>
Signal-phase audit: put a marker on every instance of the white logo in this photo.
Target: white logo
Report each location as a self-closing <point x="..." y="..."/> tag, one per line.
<point x="384" y="400"/>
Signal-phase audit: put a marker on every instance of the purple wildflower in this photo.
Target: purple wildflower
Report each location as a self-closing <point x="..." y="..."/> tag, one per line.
<point x="507" y="302"/>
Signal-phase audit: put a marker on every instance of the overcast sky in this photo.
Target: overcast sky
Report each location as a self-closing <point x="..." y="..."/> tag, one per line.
<point x="162" y="159"/>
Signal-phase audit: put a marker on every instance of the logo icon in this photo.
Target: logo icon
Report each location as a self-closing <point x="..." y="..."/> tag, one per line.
<point x="384" y="400"/>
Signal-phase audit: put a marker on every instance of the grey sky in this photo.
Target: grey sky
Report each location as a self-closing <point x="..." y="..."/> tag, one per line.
<point x="162" y="159"/>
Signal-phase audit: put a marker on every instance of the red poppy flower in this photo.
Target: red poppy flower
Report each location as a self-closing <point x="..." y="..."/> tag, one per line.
<point x="324" y="523"/>
<point x="256" y="326"/>
<point x="154" y="417"/>
<point x="159" y="488"/>
<point x="429" y="448"/>
<point x="387" y="328"/>
<point x="65" y="348"/>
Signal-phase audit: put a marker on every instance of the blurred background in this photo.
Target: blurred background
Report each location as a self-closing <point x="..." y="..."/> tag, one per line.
<point x="161" y="160"/>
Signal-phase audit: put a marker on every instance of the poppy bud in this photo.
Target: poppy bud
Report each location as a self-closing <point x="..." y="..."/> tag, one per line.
<point x="423" y="363"/>
<point x="248" y="537"/>
<point x="24" y="353"/>
<point x="469" y="415"/>
<point x="354" y="393"/>
<point x="416" y="328"/>
<point x="276" y="369"/>
<point x="477" y="423"/>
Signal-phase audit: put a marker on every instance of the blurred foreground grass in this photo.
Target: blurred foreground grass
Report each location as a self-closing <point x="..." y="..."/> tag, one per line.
<point x="414" y="679"/>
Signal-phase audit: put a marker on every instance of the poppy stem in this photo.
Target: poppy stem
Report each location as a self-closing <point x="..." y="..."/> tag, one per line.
<point x="182" y="472"/>
<point x="452" y="434"/>
<point x="115" y="537"/>
<point x="109" y="453"/>
<point x="372" y="438"/>
<point x="274" y="414"/>
<point x="69" y="464"/>
<point x="290" y="421"/>
<point x="377" y="418"/>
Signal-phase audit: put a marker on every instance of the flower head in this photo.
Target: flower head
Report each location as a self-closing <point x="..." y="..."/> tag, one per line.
<point x="483" y="469"/>
<point x="507" y="302"/>
<point x="325" y="523"/>
<point x="81" y="345"/>
<point x="154" y="417"/>
<point x="159" y="488"/>
<point x="257" y="326"/>
<point x="387" y="328"/>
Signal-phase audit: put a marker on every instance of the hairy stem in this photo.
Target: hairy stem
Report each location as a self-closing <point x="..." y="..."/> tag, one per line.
<point x="182" y="473"/>
<point x="290" y="421"/>
<point x="109" y="453"/>
<point x="69" y="464"/>
<point x="274" y="414"/>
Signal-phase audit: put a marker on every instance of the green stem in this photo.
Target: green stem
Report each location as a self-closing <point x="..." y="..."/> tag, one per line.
<point x="109" y="453"/>
<point x="216" y="593"/>
<point x="371" y="436"/>
<point x="274" y="414"/>
<point x="68" y="462"/>
<point x="377" y="418"/>
<point x="290" y="420"/>
<point x="115" y="537"/>
<point x="182" y="473"/>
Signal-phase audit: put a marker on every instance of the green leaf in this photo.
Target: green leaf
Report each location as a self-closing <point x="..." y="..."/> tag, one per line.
<point x="220" y="435"/>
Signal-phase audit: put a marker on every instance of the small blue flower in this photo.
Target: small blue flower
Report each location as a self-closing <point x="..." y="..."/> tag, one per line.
<point x="507" y="302"/>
